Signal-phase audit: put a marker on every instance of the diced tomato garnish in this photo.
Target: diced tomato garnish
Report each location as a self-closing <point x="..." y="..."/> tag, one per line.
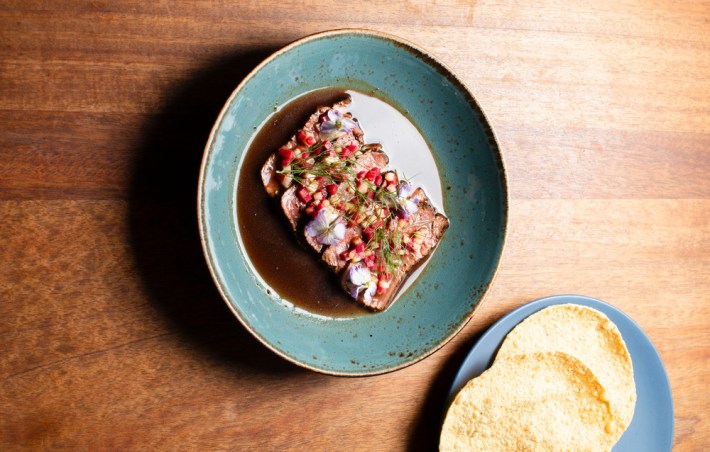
<point x="368" y="233"/>
<point x="301" y="136"/>
<point x="360" y="247"/>
<point x="303" y="195"/>
<point x="326" y="144"/>
<point x="286" y="153"/>
<point x="372" y="174"/>
<point x="310" y="140"/>
<point x="332" y="189"/>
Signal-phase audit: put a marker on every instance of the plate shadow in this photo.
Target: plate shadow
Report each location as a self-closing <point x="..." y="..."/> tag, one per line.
<point x="163" y="217"/>
<point x="427" y="426"/>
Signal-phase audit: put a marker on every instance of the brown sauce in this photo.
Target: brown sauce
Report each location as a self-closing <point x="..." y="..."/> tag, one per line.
<point x="295" y="273"/>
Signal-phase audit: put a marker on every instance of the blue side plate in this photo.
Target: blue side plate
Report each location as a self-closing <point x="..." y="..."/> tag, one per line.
<point x="652" y="426"/>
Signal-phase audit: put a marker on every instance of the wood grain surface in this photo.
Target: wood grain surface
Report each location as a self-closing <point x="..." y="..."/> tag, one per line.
<point x="113" y="336"/>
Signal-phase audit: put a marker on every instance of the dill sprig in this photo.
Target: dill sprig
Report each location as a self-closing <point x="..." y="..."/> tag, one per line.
<point x="385" y="240"/>
<point x="334" y="172"/>
<point x="388" y="244"/>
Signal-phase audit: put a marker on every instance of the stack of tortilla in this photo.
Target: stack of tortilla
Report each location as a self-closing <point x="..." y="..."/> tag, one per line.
<point x="562" y="380"/>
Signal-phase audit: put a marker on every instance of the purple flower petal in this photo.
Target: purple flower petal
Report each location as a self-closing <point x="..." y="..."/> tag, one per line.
<point x="328" y="128"/>
<point x="326" y="228"/>
<point x="355" y="291"/>
<point x="405" y="189"/>
<point x="333" y="115"/>
<point x="318" y="224"/>
<point x="347" y="125"/>
<point x="332" y="235"/>
<point x="361" y="281"/>
<point x="410" y="206"/>
<point x="334" y="124"/>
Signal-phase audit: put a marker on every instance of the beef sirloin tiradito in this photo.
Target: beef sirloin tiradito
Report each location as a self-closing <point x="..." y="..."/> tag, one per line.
<point x="368" y="225"/>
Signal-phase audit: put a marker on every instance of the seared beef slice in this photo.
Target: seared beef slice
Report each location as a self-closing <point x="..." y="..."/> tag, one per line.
<point x="336" y="193"/>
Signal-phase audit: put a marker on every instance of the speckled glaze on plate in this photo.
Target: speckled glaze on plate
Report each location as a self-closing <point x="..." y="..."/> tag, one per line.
<point x="446" y="295"/>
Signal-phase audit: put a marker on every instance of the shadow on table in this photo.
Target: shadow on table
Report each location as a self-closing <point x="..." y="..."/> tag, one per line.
<point x="163" y="220"/>
<point x="427" y="426"/>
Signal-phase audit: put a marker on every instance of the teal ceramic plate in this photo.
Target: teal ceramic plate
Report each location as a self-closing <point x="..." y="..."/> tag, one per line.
<point x="651" y="428"/>
<point x="446" y="295"/>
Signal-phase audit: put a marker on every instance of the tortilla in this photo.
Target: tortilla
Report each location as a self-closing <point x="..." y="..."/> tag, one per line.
<point x="589" y="336"/>
<point x="539" y="401"/>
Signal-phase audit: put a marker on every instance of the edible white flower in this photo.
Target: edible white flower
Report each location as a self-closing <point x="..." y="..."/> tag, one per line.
<point x="370" y="291"/>
<point x="404" y="191"/>
<point x="410" y="206"/>
<point x="335" y="124"/>
<point x="359" y="275"/>
<point x="361" y="281"/>
<point x="326" y="228"/>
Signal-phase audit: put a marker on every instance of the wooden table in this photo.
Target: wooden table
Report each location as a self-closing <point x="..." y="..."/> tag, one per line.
<point x="113" y="335"/>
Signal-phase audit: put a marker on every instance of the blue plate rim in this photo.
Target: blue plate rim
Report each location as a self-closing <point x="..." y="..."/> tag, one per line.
<point x="446" y="72"/>
<point x="509" y="321"/>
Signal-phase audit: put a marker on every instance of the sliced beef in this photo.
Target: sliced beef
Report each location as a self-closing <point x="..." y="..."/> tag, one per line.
<point x="269" y="177"/>
<point x="365" y="196"/>
<point x="356" y="136"/>
<point x="271" y="180"/>
<point x="312" y="242"/>
<point x="379" y="301"/>
<point x="332" y="254"/>
<point x="292" y="207"/>
<point x="426" y="223"/>
<point x="374" y="157"/>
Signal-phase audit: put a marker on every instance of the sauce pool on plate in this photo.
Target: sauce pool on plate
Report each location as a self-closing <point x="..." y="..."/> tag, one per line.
<point x="290" y="270"/>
